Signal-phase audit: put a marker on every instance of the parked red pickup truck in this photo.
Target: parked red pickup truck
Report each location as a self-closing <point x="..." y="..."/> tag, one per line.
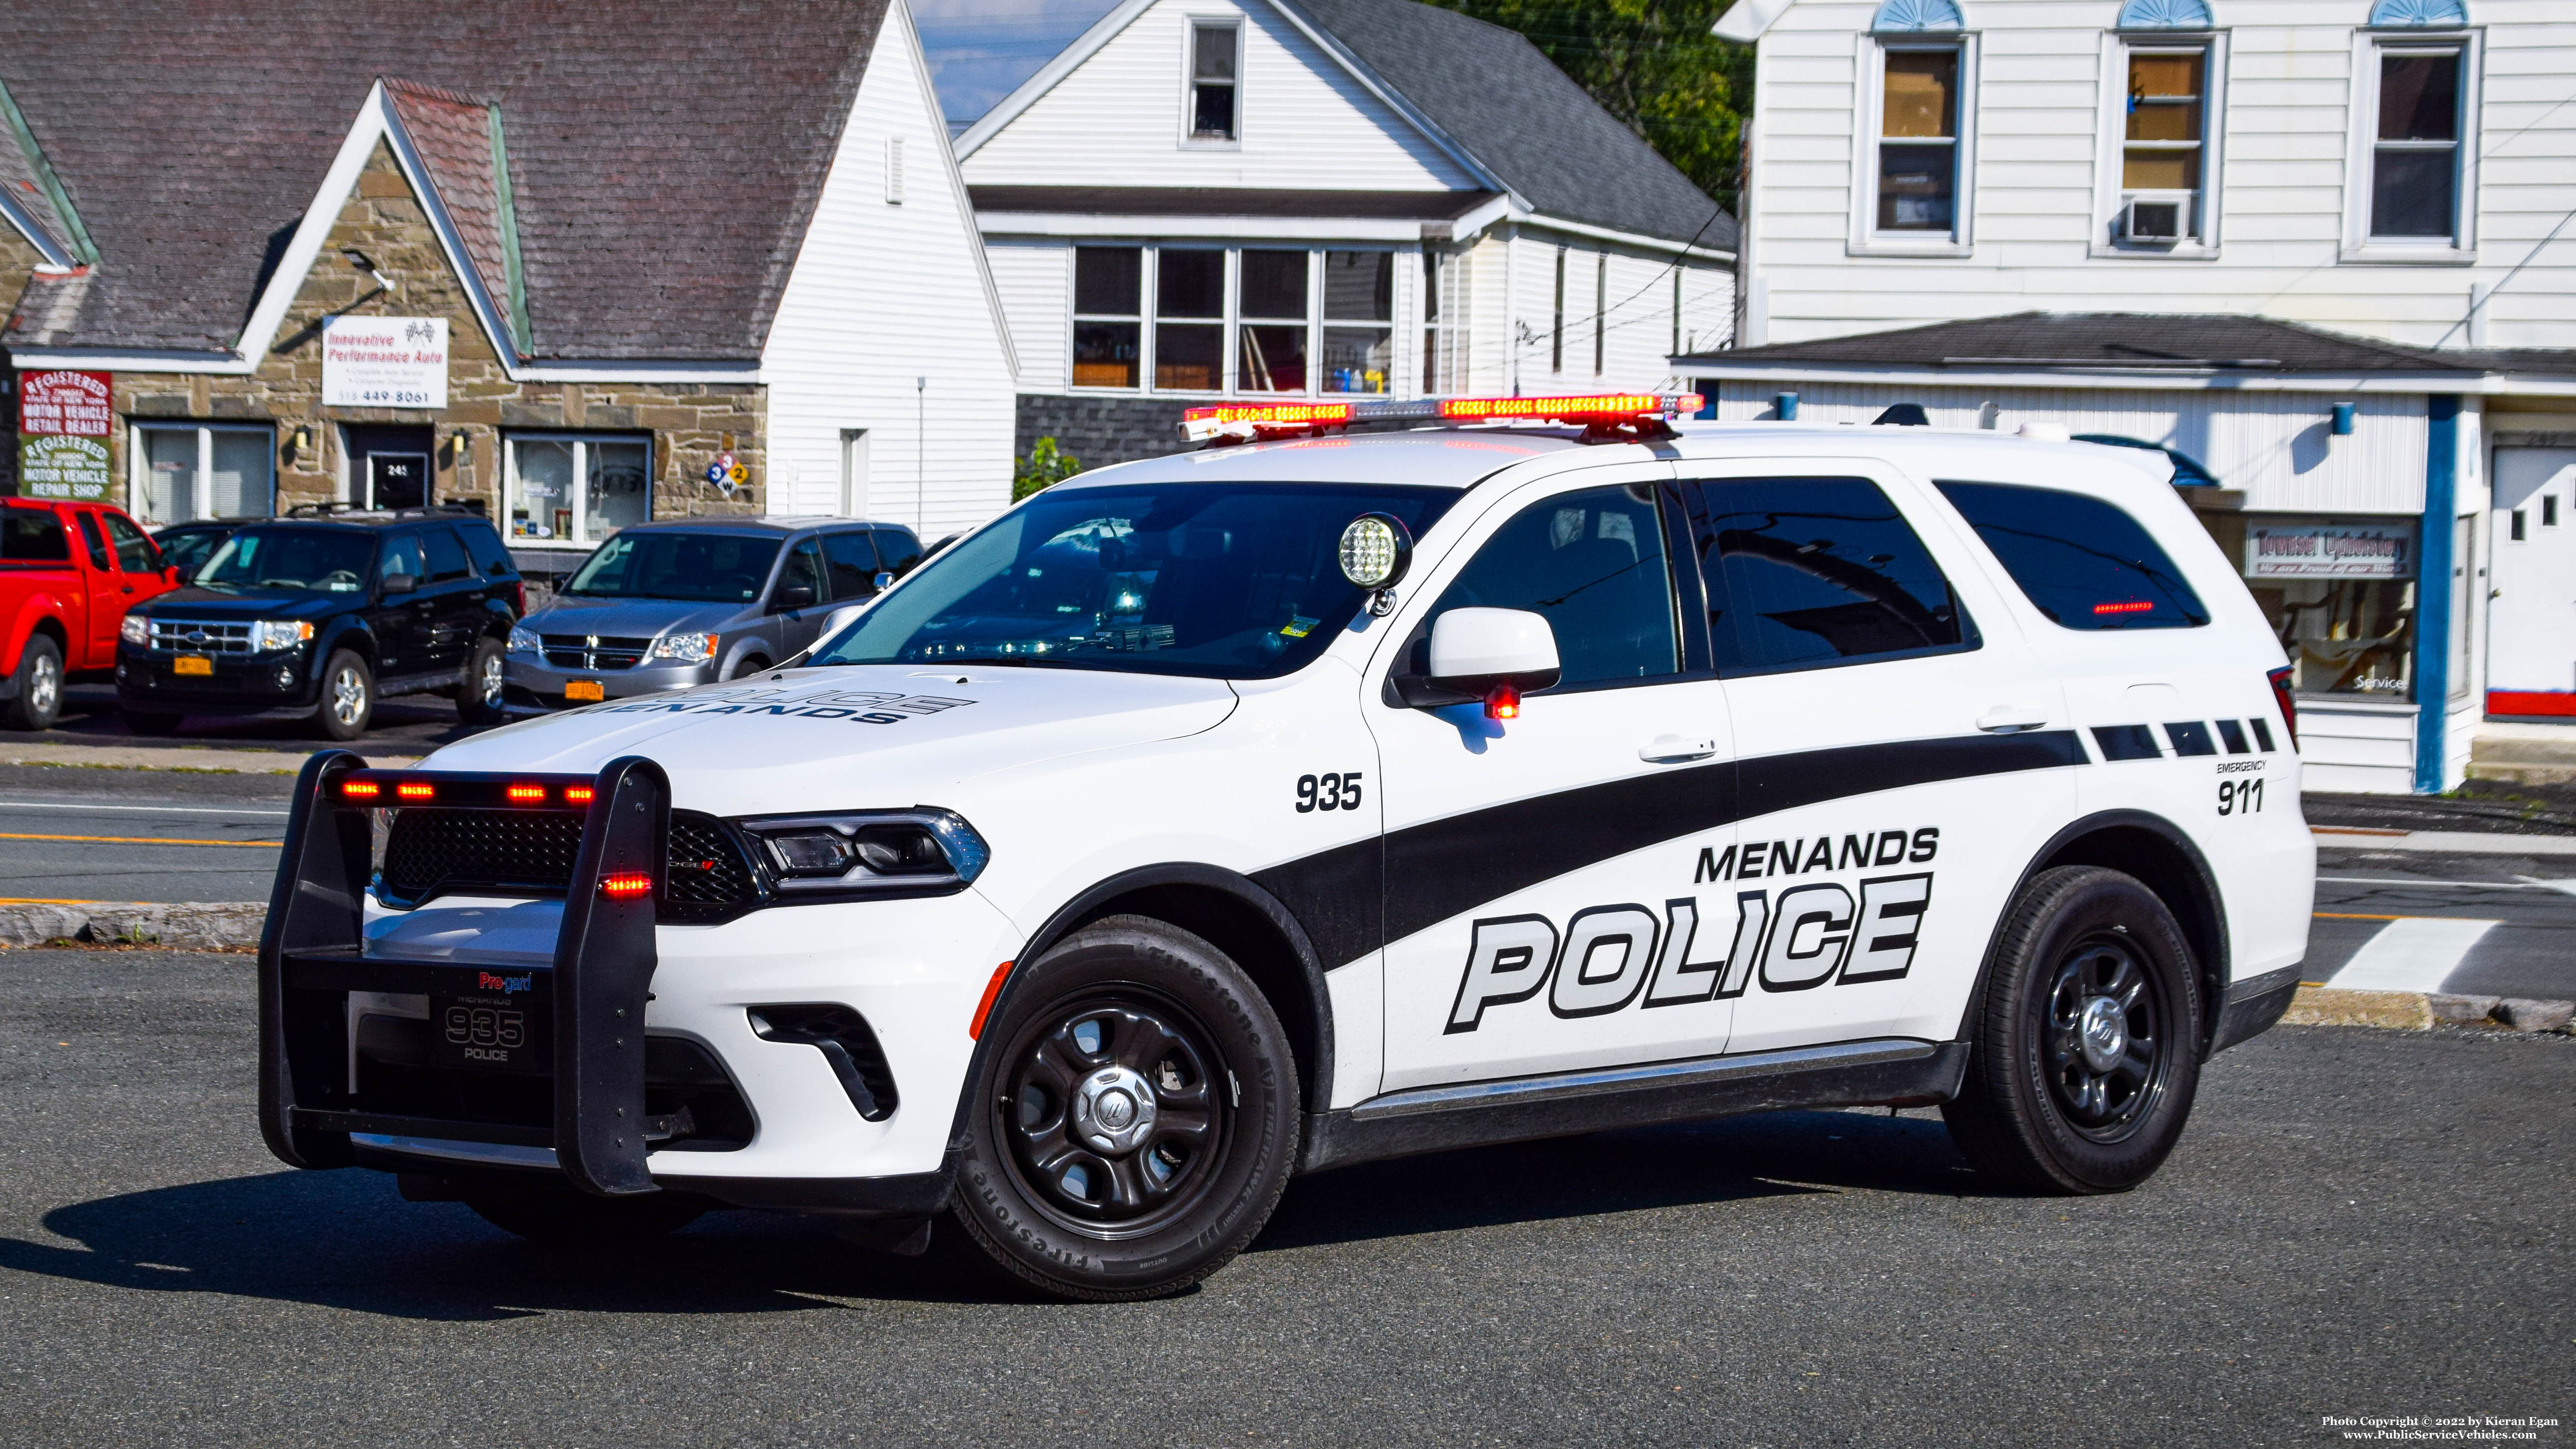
<point x="68" y="573"/>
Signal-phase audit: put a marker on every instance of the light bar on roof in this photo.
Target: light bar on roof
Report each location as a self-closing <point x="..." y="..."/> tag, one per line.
<point x="1246" y="421"/>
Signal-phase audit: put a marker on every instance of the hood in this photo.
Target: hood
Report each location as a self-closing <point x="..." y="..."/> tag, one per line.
<point x="630" y="618"/>
<point x="852" y="736"/>
<point x="190" y="602"/>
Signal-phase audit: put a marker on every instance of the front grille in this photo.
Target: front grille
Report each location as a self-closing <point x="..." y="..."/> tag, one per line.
<point x="395" y="1075"/>
<point x="430" y="851"/>
<point x="593" y="651"/>
<point x="179" y="635"/>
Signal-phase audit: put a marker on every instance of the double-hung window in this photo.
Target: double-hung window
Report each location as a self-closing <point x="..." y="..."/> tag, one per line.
<point x="1108" y="328"/>
<point x="1214" y="49"/>
<point x="203" y="470"/>
<point x="575" y="489"/>
<point x="2164" y="134"/>
<point x="1918" y="145"/>
<point x="2415" y="144"/>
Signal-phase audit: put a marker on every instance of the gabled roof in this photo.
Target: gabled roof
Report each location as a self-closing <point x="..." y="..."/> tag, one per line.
<point x="2133" y="342"/>
<point x="1480" y="92"/>
<point x="31" y="200"/>
<point x="663" y="159"/>
<point x="459" y="144"/>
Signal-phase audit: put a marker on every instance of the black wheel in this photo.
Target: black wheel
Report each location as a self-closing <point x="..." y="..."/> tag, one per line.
<point x="1135" y="1119"/>
<point x="478" y="694"/>
<point x="562" y="1217"/>
<point x="151" y="724"/>
<point x="39" y="699"/>
<point x="2085" y="1051"/>
<point x="348" y="697"/>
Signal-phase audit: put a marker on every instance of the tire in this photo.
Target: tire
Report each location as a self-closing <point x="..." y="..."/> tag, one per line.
<point x="348" y="699"/>
<point x="151" y="725"/>
<point x="560" y="1217"/>
<point x="39" y="699"/>
<point x="1127" y="1012"/>
<point x="747" y="666"/>
<point x="478" y="694"/>
<point x="2084" y="1051"/>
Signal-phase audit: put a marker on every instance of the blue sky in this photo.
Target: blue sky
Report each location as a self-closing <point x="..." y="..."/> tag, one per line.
<point x="980" y="49"/>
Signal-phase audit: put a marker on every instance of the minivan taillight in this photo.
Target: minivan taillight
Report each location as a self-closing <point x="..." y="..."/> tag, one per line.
<point x="2281" y="696"/>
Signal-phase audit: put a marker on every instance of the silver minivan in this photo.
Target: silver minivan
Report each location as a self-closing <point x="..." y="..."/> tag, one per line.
<point x="689" y="600"/>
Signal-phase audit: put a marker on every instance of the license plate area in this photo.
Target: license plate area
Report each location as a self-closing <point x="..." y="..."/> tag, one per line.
<point x="585" y="689"/>
<point x="196" y="664"/>
<point x="491" y="1032"/>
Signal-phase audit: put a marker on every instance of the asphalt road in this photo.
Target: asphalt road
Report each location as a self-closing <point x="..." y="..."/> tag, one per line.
<point x="2409" y="920"/>
<point x="74" y="834"/>
<point x="2357" y="1223"/>
<point x="411" y="724"/>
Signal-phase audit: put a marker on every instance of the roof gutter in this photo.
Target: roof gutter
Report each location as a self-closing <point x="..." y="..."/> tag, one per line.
<point x="2139" y="379"/>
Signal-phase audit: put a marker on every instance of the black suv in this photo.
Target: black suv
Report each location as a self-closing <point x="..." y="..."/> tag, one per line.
<point x="319" y="614"/>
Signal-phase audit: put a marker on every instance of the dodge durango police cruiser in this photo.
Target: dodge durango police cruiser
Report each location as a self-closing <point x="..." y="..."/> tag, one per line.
<point x="1326" y="794"/>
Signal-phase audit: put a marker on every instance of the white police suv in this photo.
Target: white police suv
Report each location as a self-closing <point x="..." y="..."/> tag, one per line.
<point x="1328" y="797"/>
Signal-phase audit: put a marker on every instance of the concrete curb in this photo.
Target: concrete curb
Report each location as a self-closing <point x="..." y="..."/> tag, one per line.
<point x="196" y="759"/>
<point x="2421" y="1011"/>
<point x="183" y="925"/>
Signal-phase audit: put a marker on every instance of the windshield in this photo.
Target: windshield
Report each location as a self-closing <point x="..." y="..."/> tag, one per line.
<point x="322" y="560"/>
<point x="706" y="568"/>
<point x="1167" y="578"/>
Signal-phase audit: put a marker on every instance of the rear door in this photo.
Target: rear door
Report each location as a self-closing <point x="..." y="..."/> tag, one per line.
<point x="1901" y="754"/>
<point x="850" y="556"/>
<point x="107" y="592"/>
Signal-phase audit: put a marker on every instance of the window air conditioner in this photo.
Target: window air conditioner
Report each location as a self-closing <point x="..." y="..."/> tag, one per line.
<point x="2159" y="220"/>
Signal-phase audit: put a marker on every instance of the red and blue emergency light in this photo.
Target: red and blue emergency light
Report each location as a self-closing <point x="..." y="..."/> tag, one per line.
<point x="1243" y="422"/>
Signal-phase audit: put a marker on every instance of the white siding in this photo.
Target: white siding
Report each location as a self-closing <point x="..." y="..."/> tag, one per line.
<point x="1035" y="279"/>
<point x="883" y="294"/>
<point x="1116" y="119"/>
<point x="2282" y="186"/>
<point x="2278" y="447"/>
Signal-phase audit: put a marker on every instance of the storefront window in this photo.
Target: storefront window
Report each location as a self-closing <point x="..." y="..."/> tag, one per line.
<point x="203" y="471"/>
<point x="2341" y="598"/>
<point x="576" y="491"/>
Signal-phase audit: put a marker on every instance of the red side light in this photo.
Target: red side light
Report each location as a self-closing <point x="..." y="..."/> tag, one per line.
<point x="984" y="1008"/>
<point x="2281" y="696"/>
<point x="625" y="884"/>
<point x="526" y="794"/>
<point x="411" y="790"/>
<point x="2133" y="606"/>
<point x="1503" y="701"/>
<point x="360" y="789"/>
<point x="579" y="794"/>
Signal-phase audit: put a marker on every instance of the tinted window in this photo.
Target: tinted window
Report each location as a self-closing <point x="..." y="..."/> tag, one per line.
<point x="804" y="570"/>
<point x="2083" y="562"/>
<point x="446" y="555"/>
<point x="1242" y="581"/>
<point x="402" y="556"/>
<point x="1807" y="572"/>
<point x="701" y="567"/>
<point x="34" y="535"/>
<point x="185" y="550"/>
<point x="134" y="552"/>
<point x="96" y="540"/>
<point x="1594" y="564"/>
<point x="485" y="545"/>
<point x="327" y="559"/>
<point x="853" y="563"/>
<point x="897" y="550"/>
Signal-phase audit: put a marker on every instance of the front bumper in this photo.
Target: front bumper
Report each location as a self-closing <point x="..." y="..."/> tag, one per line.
<point x="280" y="682"/>
<point x="536" y="687"/>
<point x="914" y="970"/>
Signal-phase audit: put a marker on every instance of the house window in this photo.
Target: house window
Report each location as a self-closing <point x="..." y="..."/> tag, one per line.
<point x="1212" y="80"/>
<point x="203" y="470"/>
<point x="1108" y="293"/>
<point x="1359" y="321"/>
<point x="1272" y="312"/>
<point x="574" y="490"/>
<point x="1189" y="320"/>
<point x="1918" y="141"/>
<point x="2415" y="151"/>
<point x="1446" y="283"/>
<point x="2162" y="146"/>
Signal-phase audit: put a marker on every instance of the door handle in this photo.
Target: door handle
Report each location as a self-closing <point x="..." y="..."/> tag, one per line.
<point x="1673" y="749"/>
<point x="2006" y="719"/>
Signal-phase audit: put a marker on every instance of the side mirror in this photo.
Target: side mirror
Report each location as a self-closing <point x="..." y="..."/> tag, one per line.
<point x="1495" y="655"/>
<point x="838" y="620"/>
<point x="793" y="596"/>
<point x="884" y="581"/>
<point x="400" y="583"/>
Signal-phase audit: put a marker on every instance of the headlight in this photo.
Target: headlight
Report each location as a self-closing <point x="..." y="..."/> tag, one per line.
<point x="135" y="630"/>
<point x="273" y="634"/>
<point x="869" y="851"/>
<point x="524" y="641"/>
<point x="686" y="648"/>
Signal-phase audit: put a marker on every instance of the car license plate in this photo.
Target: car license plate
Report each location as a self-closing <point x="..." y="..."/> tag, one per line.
<point x="499" y="1033"/>
<point x="192" y="664"/>
<point x="584" y="689"/>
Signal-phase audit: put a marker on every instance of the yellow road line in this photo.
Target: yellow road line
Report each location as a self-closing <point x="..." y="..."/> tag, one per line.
<point x="40" y="901"/>
<point x="144" y="840"/>
<point x="2349" y="916"/>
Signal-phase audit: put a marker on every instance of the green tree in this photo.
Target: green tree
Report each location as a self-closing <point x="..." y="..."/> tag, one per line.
<point x="1044" y="467"/>
<point x="1653" y="64"/>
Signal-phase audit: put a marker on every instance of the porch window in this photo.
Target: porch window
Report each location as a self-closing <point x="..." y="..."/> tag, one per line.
<point x="1108" y="290"/>
<point x="1272" y="306"/>
<point x="1189" y="320"/>
<point x="1359" y="321"/>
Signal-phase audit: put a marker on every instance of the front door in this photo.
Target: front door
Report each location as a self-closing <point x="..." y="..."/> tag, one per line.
<point x="1540" y="915"/>
<point x="2531" y="608"/>
<point x="799" y="623"/>
<point x="404" y="622"/>
<point x="389" y="465"/>
<point x="109" y="593"/>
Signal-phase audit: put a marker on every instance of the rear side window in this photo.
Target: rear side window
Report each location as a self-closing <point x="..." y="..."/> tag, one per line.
<point x="485" y="545"/>
<point x="853" y="563"/>
<point x="2084" y="563"/>
<point x="446" y="555"/>
<point x="33" y="535"/>
<point x="1803" y="573"/>
<point x="897" y="550"/>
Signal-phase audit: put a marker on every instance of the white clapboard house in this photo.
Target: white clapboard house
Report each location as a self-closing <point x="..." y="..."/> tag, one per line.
<point x="2324" y="249"/>
<point x="1325" y="198"/>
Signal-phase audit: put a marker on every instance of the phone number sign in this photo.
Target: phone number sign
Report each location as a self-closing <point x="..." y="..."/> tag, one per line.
<point x="384" y="362"/>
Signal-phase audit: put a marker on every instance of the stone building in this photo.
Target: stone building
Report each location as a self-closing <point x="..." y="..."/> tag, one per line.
<point x="662" y="292"/>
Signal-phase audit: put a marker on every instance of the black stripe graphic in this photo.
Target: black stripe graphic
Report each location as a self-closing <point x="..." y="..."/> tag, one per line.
<point x="1440" y="868"/>
<point x="2127" y="742"/>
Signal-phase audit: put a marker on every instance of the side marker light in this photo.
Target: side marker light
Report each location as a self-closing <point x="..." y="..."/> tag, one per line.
<point x="626" y="883"/>
<point x="984" y="1008"/>
<point x="1503" y="701"/>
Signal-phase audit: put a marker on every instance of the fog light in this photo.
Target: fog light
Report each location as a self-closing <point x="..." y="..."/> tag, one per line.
<point x="286" y="676"/>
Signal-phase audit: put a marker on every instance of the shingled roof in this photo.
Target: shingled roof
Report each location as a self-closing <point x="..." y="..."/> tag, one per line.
<point x="2132" y="341"/>
<point x="1507" y="105"/>
<point x="664" y="159"/>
